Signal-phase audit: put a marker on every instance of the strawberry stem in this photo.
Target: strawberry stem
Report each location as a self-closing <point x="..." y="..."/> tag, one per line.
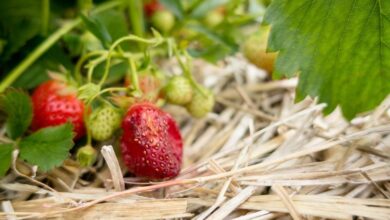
<point x="137" y="17"/>
<point x="45" y="16"/>
<point x="134" y="76"/>
<point x="86" y="122"/>
<point x="81" y="61"/>
<point x="186" y="69"/>
<point x="153" y="42"/>
<point x="112" y="89"/>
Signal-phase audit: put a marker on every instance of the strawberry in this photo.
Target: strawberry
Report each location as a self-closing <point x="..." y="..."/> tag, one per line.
<point x="202" y="102"/>
<point x="55" y="103"/>
<point x="163" y="20"/>
<point x="151" y="142"/>
<point x="86" y="156"/>
<point x="151" y="7"/>
<point x="213" y="18"/>
<point x="178" y="90"/>
<point x="103" y="122"/>
<point x="254" y="49"/>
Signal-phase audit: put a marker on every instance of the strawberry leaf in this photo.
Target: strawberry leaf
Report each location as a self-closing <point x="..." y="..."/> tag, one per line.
<point x="37" y="72"/>
<point x="48" y="147"/>
<point x="340" y="48"/>
<point x="175" y="7"/>
<point x="18" y="107"/>
<point x="116" y="24"/>
<point x="5" y="158"/>
<point x="203" y="7"/>
<point x="98" y="29"/>
<point x="19" y="22"/>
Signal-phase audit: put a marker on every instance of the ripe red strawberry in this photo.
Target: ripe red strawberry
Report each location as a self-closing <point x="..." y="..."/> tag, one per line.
<point x="151" y="7"/>
<point x="54" y="104"/>
<point x="151" y="142"/>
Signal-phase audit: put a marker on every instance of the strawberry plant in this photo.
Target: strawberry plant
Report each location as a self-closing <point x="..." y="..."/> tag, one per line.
<point x="107" y="58"/>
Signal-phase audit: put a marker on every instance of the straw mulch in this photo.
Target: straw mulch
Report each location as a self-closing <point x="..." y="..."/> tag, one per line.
<point x="258" y="156"/>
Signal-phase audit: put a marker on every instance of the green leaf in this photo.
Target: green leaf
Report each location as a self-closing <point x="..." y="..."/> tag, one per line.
<point x="211" y="54"/>
<point x="340" y="48"/>
<point x="174" y="6"/>
<point x="37" y="72"/>
<point x="73" y="43"/>
<point x="115" y="23"/>
<point x="20" y="21"/>
<point x="206" y="6"/>
<point x="48" y="147"/>
<point x="18" y="107"/>
<point x="98" y="29"/>
<point x="216" y="38"/>
<point x="5" y="158"/>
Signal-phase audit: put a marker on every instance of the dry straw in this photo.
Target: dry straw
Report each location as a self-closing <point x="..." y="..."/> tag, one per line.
<point x="258" y="156"/>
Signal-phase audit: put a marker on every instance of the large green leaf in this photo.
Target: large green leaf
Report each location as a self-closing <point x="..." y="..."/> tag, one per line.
<point x="115" y="23"/>
<point x="20" y="20"/>
<point x="48" y="147"/>
<point x="37" y="72"/>
<point x="341" y="49"/>
<point x="98" y="29"/>
<point x="5" y="158"/>
<point x="18" y="107"/>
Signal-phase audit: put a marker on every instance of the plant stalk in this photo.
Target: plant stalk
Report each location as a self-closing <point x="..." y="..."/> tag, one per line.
<point x="45" y="16"/>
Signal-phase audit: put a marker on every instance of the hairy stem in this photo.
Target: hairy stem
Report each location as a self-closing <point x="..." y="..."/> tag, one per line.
<point x="136" y="17"/>
<point x="111" y="51"/>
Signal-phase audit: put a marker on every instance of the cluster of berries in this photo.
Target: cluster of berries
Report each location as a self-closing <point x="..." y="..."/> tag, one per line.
<point x="150" y="141"/>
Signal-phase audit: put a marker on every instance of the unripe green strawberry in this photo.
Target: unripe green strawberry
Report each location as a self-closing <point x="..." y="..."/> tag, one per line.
<point x="103" y="122"/>
<point x="213" y="19"/>
<point x="163" y="20"/>
<point x="202" y="102"/>
<point x="255" y="50"/>
<point x="178" y="90"/>
<point x="86" y="156"/>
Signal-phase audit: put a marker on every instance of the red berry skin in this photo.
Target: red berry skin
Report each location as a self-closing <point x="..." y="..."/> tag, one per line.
<point x="151" y="7"/>
<point x="51" y="108"/>
<point x="151" y="142"/>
